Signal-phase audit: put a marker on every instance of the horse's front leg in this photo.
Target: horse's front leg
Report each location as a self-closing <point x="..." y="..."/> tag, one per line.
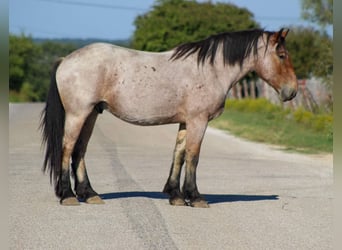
<point x="172" y="185"/>
<point x="195" y="132"/>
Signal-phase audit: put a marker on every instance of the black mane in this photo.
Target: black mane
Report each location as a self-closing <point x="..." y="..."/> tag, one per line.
<point x="236" y="47"/>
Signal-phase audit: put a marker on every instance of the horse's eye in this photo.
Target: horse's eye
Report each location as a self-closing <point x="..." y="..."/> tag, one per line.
<point x="281" y="52"/>
<point x="282" y="56"/>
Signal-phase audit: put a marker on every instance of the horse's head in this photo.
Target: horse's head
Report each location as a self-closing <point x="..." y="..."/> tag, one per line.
<point x="275" y="67"/>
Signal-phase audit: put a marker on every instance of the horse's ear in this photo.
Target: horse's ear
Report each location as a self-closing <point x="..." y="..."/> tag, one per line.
<point x="280" y="36"/>
<point x="283" y="33"/>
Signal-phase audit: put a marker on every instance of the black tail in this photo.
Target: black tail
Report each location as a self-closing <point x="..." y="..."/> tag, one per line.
<point x="52" y="126"/>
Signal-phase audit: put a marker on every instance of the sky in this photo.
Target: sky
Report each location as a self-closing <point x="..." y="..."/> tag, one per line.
<point x="114" y="19"/>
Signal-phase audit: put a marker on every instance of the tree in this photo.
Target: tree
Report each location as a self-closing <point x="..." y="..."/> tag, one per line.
<point x="29" y="66"/>
<point x="171" y="22"/>
<point x="22" y="53"/>
<point x="318" y="11"/>
<point x="310" y="51"/>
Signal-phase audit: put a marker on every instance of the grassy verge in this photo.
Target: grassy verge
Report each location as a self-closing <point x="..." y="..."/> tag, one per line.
<point x="261" y="121"/>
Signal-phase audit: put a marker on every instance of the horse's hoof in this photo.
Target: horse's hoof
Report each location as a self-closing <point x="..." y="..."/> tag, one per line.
<point x="177" y="201"/>
<point x="94" y="200"/>
<point x="70" y="201"/>
<point x="199" y="203"/>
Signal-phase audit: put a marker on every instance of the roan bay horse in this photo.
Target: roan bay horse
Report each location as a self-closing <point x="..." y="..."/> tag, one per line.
<point x="187" y="85"/>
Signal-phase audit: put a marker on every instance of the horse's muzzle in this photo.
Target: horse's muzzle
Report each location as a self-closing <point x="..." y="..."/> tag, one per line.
<point x="287" y="93"/>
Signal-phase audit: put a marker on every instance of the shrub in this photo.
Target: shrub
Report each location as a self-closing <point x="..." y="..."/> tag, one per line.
<point x="260" y="105"/>
<point x="316" y="122"/>
<point x="303" y="116"/>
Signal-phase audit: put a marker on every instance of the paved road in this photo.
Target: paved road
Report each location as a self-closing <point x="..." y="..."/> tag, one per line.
<point x="260" y="198"/>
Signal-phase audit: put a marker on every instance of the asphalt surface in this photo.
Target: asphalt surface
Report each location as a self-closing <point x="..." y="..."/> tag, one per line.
<point x="260" y="197"/>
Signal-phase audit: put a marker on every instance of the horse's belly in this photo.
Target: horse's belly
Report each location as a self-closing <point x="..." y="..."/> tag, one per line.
<point x="145" y="119"/>
<point x="145" y="111"/>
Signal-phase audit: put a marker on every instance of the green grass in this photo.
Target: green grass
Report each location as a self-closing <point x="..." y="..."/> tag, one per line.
<point x="258" y="120"/>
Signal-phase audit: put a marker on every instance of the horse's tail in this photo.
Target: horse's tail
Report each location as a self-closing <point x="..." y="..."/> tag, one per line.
<point x="52" y="126"/>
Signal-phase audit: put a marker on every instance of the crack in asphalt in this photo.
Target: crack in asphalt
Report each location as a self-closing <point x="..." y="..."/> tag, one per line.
<point x="148" y="223"/>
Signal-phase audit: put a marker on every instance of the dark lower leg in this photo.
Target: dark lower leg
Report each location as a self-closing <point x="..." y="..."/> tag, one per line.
<point x="63" y="186"/>
<point x="83" y="188"/>
<point x="190" y="190"/>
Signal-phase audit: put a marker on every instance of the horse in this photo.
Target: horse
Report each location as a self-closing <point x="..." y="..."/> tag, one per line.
<point x="186" y="85"/>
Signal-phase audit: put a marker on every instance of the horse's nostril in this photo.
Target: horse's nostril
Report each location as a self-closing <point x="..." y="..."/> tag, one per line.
<point x="287" y="94"/>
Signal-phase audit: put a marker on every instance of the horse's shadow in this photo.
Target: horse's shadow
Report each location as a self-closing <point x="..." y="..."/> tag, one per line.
<point x="211" y="198"/>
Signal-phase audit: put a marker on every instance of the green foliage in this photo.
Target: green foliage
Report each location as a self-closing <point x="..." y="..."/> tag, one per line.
<point x="311" y="53"/>
<point x="318" y="11"/>
<point x="172" y="22"/>
<point x="22" y="54"/>
<point x="29" y="67"/>
<point x="260" y="120"/>
<point x="260" y="105"/>
<point x="316" y="122"/>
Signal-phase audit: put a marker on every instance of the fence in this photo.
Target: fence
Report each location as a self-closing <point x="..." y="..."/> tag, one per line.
<point x="312" y="94"/>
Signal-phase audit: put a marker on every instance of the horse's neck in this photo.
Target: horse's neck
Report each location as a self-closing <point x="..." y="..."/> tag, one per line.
<point x="230" y="75"/>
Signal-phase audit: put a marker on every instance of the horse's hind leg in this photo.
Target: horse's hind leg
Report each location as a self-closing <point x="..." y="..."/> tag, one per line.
<point x="82" y="184"/>
<point x="172" y="185"/>
<point x="72" y="129"/>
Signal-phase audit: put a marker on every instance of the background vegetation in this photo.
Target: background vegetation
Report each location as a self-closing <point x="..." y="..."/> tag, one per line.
<point x="259" y="120"/>
<point x="29" y="66"/>
<point x="172" y="22"/>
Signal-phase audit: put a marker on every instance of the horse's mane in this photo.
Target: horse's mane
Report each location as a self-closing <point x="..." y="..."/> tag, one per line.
<point x="236" y="46"/>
